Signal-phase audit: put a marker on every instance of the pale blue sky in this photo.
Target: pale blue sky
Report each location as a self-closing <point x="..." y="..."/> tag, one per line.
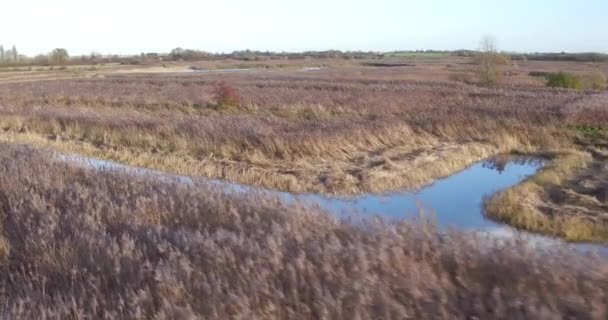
<point x="133" y="26"/>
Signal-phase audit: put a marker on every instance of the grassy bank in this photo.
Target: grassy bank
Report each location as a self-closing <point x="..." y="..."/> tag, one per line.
<point x="546" y="202"/>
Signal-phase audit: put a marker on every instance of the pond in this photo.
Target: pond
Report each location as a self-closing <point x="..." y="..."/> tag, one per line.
<point x="452" y="202"/>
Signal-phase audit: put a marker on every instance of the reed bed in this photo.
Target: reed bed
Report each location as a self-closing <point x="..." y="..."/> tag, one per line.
<point x="336" y="131"/>
<point x="324" y="132"/>
<point x="79" y="244"/>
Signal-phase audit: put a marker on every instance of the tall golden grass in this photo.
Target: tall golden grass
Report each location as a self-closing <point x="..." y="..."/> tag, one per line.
<point x="329" y="133"/>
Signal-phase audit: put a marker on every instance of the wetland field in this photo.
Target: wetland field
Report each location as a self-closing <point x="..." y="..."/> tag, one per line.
<point x="395" y="188"/>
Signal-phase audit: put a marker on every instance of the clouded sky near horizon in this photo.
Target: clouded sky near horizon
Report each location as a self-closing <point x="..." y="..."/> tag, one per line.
<point x="134" y="26"/>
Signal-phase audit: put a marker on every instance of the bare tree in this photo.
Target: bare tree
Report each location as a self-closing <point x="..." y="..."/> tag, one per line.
<point x="488" y="60"/>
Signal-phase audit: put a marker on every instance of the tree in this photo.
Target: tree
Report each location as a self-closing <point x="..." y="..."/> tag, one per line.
<point x="2" y="57"/>
<point x="15" y="54"/>
<point x="187" y="54"/>
<point x="59" y="56"/>
<point x="41" y="59"/>
<point x="488" y="70"/>
<point x="177" y="53"/>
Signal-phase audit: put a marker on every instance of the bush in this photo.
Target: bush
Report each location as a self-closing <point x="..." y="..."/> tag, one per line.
<point x="226" y="95"/>
<point x="595" y="81"/>
<point x="489" y="67"/>
<point x="542" y="74"/>
<point x="463" y="77"/>
<point x="564" y="80"/>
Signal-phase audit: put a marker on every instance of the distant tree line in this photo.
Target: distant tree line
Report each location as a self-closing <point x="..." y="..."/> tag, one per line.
<point x="563" y="56"/>
<point x="61" y="57"/>
<point x="188" y="54"/>
<point x="9" y="56"/>
<point x="12" y="57"/>
<point x="252" y="55"/>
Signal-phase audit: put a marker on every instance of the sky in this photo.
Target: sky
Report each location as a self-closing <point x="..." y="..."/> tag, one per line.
<point x="135" y="26"/>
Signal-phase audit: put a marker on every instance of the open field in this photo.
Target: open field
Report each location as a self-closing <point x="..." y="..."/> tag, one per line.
<point x="80" y="244"/>
<point x="419" y="68"/>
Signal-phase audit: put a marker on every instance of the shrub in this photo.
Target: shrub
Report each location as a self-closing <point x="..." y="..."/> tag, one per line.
<point x="489" y="67"/>
<point x="595" y="80"/>
<point x="463" y="77"/>
<point x="564" y="80"/>
<point x="542" y="74"/>
<point x="488" y="71"/>
<point x="226" y="95"/>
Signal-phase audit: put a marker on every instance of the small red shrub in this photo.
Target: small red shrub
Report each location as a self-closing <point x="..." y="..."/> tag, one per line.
<point x="226" y="95"/>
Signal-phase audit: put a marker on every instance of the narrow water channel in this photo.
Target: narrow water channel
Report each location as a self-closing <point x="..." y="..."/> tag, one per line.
<point x="452" y="202"/>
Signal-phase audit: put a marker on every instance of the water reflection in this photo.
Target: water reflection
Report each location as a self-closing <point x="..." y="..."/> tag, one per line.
<point x="499" y="163"/>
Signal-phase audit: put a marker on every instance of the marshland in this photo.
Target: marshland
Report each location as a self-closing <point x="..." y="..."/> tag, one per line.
<point x="335" y="170"/>
<point x="83" y="241"/>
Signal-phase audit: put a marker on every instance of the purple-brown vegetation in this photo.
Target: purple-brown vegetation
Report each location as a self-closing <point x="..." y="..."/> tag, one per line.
<point x="78" y="243"/>
<point x="81" y="244"/>
<point x="344" y="131"/>
<point x="297" y="110"/>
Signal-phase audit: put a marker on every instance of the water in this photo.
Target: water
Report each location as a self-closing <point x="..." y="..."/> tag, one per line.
<point x="453" y="202"/>
<point x="313" y="68"/>
<point x="446" y="199"/>
<point x="229" y="70"/>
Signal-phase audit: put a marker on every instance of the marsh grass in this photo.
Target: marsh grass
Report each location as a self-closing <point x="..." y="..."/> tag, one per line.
<point x="390" y="168"/>
<point x="78" y="243"/>
<point x="88" y="244"/>
<point x="528" y="205"/>
<point x="338" y="132"/>
<point x="295" y="132"/>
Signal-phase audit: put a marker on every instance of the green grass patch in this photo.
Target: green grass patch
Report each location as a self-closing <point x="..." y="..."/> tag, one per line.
<point x="587" y="130"/>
